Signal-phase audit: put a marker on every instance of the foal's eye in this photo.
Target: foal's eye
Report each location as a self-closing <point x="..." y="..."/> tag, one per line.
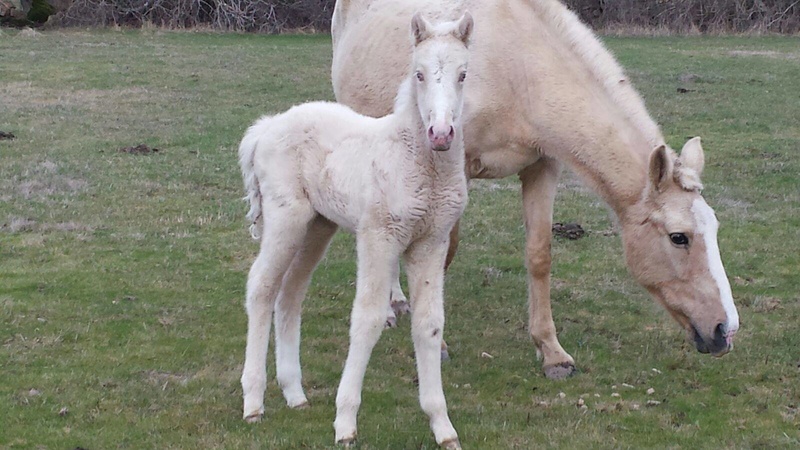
<point x="420" y="77"/>
<point x="679" y="239"/>
<point x="462" y="77"/>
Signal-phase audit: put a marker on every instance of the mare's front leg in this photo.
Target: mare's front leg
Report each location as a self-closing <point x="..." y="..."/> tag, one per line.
<point x="377" y="256"/>
<point x="539" y="183"/>
<point x="425" y="261"/>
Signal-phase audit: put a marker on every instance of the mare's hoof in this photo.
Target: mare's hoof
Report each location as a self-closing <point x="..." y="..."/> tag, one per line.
<point x="391" y="322"/>
<point x="401" y="307"/>
<point x="559" y="371"/>
<point x="254" y="418"/>
<point x="451" y="444"/>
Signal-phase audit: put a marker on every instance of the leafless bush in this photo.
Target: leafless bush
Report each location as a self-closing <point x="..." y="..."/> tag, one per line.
<point x="684" y="16"/>
<point x="268" y="16"/>
<point x="780" y="16"/>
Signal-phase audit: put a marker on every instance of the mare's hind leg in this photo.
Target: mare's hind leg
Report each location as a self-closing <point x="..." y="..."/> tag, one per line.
<point x="376" y="258"/>
<point x="289" y="306"/>
<point x="284" y="231"/>
<point x="539" y="182"/>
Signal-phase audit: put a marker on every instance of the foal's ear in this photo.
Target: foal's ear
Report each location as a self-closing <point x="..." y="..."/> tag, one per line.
<point x="465" y="27"/>
<point x="660" y="169"/>
<point x="420" y="28"/>
<point x="692" y="156"/>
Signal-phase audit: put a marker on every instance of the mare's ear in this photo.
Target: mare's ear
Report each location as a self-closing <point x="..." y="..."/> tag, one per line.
<point x="465" y="27"/>
<point x="660" y="169"/>
<point x="420" y="28"/>
<point x="692" y="156"/>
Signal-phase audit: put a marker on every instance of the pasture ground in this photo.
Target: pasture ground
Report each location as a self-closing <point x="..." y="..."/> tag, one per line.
<point x="122" y="275"/>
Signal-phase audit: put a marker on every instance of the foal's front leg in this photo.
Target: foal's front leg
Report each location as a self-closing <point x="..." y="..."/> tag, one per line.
<point x="425" y="262"/>
<point x="376" y="258"/>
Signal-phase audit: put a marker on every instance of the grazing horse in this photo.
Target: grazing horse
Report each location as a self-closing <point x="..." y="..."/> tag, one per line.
<point x="544" y="92"/>
<point x="398" y="183"/>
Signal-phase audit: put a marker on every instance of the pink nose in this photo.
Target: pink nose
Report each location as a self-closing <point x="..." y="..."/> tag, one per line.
<point x="441" y="138"/>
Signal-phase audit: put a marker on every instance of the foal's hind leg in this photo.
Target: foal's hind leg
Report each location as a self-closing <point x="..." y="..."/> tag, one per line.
<point x="284" y="230"/>
<point x="289" y="306"/>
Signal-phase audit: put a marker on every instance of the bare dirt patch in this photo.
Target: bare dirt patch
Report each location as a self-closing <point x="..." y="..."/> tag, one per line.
<point x="141" y="149"/>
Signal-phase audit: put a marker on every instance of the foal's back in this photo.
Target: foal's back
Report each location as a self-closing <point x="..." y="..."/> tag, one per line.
<point x="341" y="161"/>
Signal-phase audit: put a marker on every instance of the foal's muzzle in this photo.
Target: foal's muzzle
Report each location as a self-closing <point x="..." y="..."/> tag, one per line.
<point x="441" y="138"/>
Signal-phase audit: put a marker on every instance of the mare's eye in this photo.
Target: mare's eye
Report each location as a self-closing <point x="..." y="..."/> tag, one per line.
<point x="420" y="76"/>
<point x="679" y="239"/>
<point x="462" y="77"/>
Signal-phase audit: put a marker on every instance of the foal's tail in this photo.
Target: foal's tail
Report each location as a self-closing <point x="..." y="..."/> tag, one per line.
<point x="247" y="151"/>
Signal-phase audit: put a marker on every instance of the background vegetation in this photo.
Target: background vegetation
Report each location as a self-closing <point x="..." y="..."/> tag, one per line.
<point x="122" y="274"/>
<point x="685" y="16"/>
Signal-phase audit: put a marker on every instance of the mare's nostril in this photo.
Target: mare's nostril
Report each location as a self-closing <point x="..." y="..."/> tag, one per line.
<point x="452" y="132"/>
<point x="719" y="335"/>
<point x="430" y="133"/>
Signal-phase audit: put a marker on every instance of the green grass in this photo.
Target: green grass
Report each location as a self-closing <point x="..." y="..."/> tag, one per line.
<point x="121" y="276"/>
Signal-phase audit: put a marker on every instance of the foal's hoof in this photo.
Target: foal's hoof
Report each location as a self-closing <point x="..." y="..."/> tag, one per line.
<point x="347" y="442"/>
<point x="254" y="418"/>
<point x="301" y="405"/>
<point x="451" y="444"/>
<point x="401" y="307"/>
<point x="445" y="354"/>
<point x="559" y="371"/>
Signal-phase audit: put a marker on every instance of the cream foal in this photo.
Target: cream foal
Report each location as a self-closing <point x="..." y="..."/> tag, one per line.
<point x="398" y="183"/>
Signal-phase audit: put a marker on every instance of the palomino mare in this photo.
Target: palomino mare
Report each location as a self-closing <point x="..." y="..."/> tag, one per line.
<point x="543" y="91"/>
<point x="398" y="182"/>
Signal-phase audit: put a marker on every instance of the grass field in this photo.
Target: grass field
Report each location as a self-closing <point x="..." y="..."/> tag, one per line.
<point x="122" y="275"/>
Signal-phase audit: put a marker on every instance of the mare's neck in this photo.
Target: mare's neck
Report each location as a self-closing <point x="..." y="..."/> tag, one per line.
<point x="607" y="152"/>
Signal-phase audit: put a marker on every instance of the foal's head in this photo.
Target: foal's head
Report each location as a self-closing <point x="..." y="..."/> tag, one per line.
<point x="439" y="69"/>
<point x="670" y="241"/>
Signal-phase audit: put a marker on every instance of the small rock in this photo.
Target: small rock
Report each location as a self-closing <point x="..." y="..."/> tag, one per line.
<point x="597" y="395"/>
<point x="614" y="387"/>
<point x="627" y="385"/>
<point x="581" y="403"/>
<point x="584" y="407"/>
<point x="467" y="386"/>
<point x="486" y="355"/>
<point x="653" y="403"/>
<point x="635" y="406"/>
<point x="656" y="370"/>
<point x="561" y="395"/>
<point x="543" y="404"/>
<point x="34" y="393"/>
<point x="615" y="394"/>
<point x="651" y="391"/>
<point x="63" y="411"/>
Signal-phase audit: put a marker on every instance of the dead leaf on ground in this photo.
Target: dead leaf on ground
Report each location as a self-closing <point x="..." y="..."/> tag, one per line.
<point x="5" y="135"/>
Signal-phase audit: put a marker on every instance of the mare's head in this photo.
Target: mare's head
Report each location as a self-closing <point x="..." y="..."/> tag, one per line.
<point x="439" y="68"/>
<point x="670" y="239"/>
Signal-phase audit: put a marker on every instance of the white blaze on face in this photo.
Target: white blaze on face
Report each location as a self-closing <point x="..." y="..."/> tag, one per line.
<point x="707" y="225"/>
